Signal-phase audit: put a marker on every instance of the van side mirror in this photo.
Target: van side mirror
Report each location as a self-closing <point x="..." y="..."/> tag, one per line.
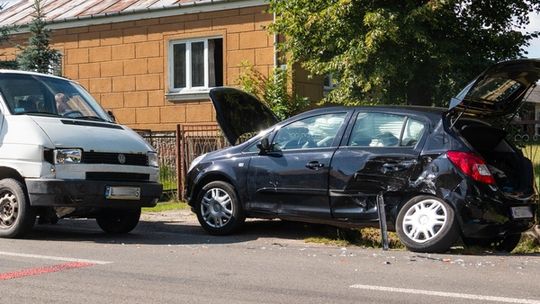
<point x="264" y="146"/>
<point x="111" y="115"/>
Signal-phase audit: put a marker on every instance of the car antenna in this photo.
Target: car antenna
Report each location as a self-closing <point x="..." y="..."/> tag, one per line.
<point x="530" y="89"/>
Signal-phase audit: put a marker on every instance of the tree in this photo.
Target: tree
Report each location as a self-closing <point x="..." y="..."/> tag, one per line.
<point x="5" y="31"/>
<point x="401" y="51"/>
<point x="272" y="90"/>
<point x="38" y="55"/>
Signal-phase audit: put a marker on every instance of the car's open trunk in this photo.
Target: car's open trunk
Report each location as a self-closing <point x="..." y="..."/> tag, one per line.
<point x="512" y="171"/>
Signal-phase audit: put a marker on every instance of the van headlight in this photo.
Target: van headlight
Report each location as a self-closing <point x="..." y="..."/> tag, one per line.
<point x="196" y="161"/>
<point x="67" y="156"/>
<point x="153" y="160"/>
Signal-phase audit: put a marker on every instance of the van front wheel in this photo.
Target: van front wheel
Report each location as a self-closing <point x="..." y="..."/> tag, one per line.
<point x="17" y="217"/>
<point x="118" y="221"/>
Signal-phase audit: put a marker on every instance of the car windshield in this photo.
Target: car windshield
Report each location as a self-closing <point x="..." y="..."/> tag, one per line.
<point x="47" y="96"/>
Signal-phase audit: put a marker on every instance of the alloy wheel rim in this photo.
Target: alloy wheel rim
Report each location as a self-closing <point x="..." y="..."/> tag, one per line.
<point x="216" y="208"/>
<point x="9" y="209"/>
<point x="425" y="220"/>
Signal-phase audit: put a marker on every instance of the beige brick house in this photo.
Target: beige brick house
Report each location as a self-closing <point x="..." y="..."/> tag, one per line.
<point x="152" y="62"/>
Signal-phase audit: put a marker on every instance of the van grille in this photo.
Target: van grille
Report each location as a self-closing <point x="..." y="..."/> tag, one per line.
<point x="117" y="176"/>
<point x="114" y="158"/>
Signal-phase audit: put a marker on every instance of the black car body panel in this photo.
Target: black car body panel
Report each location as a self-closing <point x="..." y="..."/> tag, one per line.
<point x="239" y="113"/>
<point x="335" y="179"/>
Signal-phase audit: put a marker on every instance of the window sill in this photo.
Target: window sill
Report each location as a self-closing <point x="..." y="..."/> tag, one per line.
<point x="187" y="96"/>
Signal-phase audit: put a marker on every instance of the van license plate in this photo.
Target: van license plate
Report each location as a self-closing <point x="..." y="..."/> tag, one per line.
<point x="123" y="193"/>
<point x="521" y="212"/>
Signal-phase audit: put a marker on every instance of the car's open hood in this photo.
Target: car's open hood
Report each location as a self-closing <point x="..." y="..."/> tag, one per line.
<point x="499" y="90"/>
<point x="240" y="113"/>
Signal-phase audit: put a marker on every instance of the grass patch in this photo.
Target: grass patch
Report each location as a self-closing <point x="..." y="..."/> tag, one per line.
<point x="167" y="206"/>
<point x="527" y="245"/>
<point x="364" y="237"/>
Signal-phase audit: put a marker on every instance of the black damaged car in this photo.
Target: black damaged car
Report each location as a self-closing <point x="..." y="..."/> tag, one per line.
<point x="443" y="173"/>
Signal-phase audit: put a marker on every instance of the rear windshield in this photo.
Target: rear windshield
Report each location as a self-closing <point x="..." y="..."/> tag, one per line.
<point x="47" y="96"/>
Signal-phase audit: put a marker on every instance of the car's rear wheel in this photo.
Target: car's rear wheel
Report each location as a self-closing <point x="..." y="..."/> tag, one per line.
<point x="427" y="224"/>
<point x="218" y="209"/>
<point x="17" y="217"/>
<point x="118" y="221"/>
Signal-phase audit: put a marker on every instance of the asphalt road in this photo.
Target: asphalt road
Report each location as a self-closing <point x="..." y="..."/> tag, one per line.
<point x="169" y="259"/>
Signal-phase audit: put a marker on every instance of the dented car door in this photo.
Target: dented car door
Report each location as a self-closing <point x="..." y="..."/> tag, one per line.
<point x="378" y="154"/>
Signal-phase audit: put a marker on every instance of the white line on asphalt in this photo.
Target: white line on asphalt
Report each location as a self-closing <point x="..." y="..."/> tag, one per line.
<point x="446" y="294"/>
<point x="54" y="258"/>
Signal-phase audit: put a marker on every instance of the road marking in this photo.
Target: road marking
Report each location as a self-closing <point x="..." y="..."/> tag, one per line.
<point x="53" y="258"/>
<point x="42" y="270"/>
<point x="446" y="294"/>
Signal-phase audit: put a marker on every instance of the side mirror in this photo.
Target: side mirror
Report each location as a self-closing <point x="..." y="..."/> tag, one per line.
<point x="264" y="146"/>
<point x="111" y="115"/>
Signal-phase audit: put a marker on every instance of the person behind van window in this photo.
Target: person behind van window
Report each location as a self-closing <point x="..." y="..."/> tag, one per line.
<point x="62" y="103"/>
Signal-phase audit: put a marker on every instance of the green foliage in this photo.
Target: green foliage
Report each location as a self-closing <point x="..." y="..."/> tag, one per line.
<point x="401" y="51"/>
<point x="37" y="55"/>
<point x="11" y="64"/>
<point x="272" y="90"/>
<point x="167" y="206"/>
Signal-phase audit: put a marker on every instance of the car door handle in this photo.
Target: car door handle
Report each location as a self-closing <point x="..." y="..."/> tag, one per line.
<point x="314" y="165"/>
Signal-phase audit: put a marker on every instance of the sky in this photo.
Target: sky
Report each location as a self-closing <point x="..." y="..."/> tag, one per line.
<point x="534" y="48"/>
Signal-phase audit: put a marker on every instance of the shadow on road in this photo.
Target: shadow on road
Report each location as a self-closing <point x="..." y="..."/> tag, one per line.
<point x="174" y="233"/>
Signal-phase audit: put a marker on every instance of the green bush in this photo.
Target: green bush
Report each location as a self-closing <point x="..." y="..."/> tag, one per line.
<point x="272" y="90"/>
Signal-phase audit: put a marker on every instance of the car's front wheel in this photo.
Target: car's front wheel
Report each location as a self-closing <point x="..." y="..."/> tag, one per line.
<point x="218" y="208"/>
<point x="118" y="221"/>
<point x="427" y="224"/>
<point x="17" y="217"/>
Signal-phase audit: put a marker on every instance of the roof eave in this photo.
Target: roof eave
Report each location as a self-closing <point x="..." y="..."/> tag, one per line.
<point x="147" y="13"/>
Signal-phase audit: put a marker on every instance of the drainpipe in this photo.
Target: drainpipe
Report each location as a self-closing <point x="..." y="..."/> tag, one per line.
<point x="275" y="45"/>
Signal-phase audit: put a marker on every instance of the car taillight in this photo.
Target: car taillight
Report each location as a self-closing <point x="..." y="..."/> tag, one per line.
<point x="472" y="165"/>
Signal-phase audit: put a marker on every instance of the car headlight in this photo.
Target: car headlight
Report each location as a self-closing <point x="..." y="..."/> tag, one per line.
<point x="196" y="161"/>
<point x="67" y="156"/>
<point x="153" y="160"/>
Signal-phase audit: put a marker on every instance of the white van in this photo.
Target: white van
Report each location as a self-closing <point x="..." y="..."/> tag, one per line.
<point x="62" y="155"/>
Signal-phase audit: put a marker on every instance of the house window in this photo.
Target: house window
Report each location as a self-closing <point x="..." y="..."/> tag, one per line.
<point x="195" y="65"/>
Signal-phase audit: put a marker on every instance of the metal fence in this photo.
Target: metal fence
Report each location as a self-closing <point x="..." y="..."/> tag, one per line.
<point x="195" y="140"/>
<point x="165" y="145"/>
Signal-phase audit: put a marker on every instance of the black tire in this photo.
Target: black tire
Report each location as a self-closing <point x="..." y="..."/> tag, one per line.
<point x="17" y="217"/>
<point x="504" y="244"/>
<point x="118" y="221"/>
<point x="219" y="218"/>
<point x="440" y="237"/>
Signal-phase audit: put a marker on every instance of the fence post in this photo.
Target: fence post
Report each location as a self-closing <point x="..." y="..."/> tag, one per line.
<point x="179" y="162"/>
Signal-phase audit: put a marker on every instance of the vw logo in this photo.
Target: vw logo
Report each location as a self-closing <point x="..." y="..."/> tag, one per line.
<point x="121" y="158"/>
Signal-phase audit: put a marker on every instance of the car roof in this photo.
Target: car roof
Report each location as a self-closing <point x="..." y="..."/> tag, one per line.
<point x="432" y="113"/>
<point x="5" y="71"/>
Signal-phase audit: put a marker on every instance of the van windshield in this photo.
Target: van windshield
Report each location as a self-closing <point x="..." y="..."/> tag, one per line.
<point x="47" y="96"/>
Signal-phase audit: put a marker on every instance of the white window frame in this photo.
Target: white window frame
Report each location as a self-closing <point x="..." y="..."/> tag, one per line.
<point x="189" y="89"/>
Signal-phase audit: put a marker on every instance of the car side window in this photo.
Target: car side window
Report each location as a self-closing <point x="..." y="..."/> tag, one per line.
<point x="412" y="133"/>
<point x="310" y="133"/>
<point x="373" y="129"/>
